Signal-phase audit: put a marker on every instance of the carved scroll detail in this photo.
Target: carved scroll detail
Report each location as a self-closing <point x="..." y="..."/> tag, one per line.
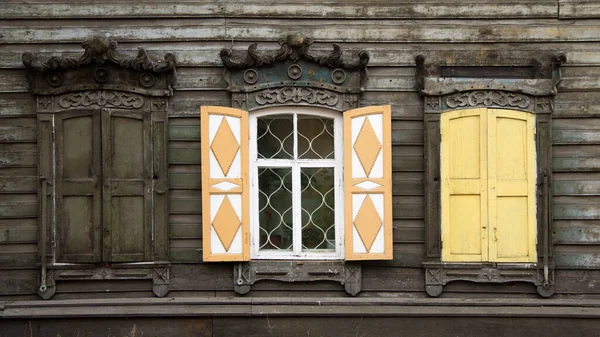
<point x="294" y="47"/>
<point x="487" y="98"/>
<point x="100" y="50"/>
<point x="296" y="95"/>
<point x="102" y="98"/>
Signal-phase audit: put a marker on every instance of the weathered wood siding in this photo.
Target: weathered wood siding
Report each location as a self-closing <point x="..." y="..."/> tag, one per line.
<point x="465" y="32"/>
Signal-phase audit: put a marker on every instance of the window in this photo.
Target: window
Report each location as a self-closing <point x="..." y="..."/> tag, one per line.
<point x="488" y="192"/>
<point x="297" y="182"/>
<point x="296" y="161"/>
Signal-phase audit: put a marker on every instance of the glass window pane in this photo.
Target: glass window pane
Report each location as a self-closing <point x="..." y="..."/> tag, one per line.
<point x="275" y="208"/>
<point x="315" y="137"/>
<point x="318" y="208"/>
<point x="275" y="137"/>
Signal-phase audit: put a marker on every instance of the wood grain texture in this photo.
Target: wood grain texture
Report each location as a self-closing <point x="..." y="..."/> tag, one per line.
<point x="282" y="9"/>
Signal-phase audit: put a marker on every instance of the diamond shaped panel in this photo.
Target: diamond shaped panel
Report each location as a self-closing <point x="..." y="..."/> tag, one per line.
<point x="368" y="223"/>
<point x="367" y="146"/>
<point x="226" y="223"/>
<point x="224" y="146"/>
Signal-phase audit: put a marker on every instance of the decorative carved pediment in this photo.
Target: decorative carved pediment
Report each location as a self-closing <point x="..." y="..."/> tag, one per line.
<point x="294" y="74"/>
<point x="295" y="47"/>
<point x="537" y="77"/>
<point x="101" y="67"/>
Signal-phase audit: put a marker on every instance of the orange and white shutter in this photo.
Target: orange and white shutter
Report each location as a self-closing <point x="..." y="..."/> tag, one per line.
<point x="368" y="183"/>
<point x="225" y="205"/>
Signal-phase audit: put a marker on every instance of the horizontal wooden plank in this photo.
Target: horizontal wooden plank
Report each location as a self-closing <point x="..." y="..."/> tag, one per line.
<point x="290" y="9"/>
<point x="18" y="282"/>
<point x="570" y="211"/>
<point x="18" y="210"/>
<point x="18" y="260"/>
<point x="566" y="164"/>
<point x="17" y="133"/>
<point x="185" y="231"/>
<point x="576" y="187"/>
<point x="17" y="105"/>
<point x="574" y="257"/>
<point x="565" y="137"/>
<point x="586" y="9"/>
<point x="576" y="235"/>
<point x="185" y="255"/>
<point x="44" y="31"/>
<point x="18" y="159"/>
<point x="22" y="234"/>
<point x="18" y="184"/>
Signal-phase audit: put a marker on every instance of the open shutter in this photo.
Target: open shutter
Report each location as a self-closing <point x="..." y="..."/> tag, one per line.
<point x="225" y="204"/>
<point x="511" y="180"/>
<point x="464" y="185"/>
<point x="368" y="183"/>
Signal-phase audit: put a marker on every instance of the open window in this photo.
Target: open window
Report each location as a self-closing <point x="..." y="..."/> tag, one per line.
<point x="102" y="165"/>
<point x="488" y="173"/>
<point x="297" y="172"/>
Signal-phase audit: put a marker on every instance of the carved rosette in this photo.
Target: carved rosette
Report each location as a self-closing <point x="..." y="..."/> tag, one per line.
<point x="101" y="98"/>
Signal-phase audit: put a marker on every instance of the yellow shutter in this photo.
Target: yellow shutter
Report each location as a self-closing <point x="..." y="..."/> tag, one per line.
<point x="368" y="183"/>
<point x="225" y="205"/>
<point x="464" y="190"/>
<point x="488" y="167"/>
<point x="512" y="176"/>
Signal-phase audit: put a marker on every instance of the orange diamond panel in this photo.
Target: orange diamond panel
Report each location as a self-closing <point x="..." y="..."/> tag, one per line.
<point x="368" y="222"/>
<point x="367" y="146"/>
<point x="226" y="223"/>
<point x="224" y="146"/>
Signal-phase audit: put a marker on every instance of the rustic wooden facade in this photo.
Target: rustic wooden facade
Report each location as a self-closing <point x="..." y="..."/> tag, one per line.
<point x="418" y="55"/>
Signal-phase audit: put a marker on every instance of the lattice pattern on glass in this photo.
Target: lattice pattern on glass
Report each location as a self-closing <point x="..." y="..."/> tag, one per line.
<point x="318" y="208"/>
<point x="296" y="163"/>
<point x="315" y="137"/>
<point x="275" y="137"/>
<point x="275" y="208"/>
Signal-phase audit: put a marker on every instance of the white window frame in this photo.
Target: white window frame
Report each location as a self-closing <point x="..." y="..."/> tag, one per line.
<point x="336" y="163"/>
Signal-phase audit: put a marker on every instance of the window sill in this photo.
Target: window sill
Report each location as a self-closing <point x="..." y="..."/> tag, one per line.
<point x="348" y="274"/>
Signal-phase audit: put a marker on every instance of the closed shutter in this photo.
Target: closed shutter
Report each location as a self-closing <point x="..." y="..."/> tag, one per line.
<point x="78" y="186"/>
<point x="225" y="204"/>
<point x="368" y="183"/>
<point x="488" y="166"/>
<point x="511" y="180"/>
<point x="127" y="192"/>
<point x="464" y="185"/>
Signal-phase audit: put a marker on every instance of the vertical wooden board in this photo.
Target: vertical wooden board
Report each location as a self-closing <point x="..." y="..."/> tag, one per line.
<point x="160" y="187"/>
<point x="45" y="176"/>
<point x="225" y="195"/>
<point x="432" y="185"/>
<point x="512" y="186"/>
<point x="368" y="183"/>
<point x="464" y="185"/>
<point x="77" y="186"/>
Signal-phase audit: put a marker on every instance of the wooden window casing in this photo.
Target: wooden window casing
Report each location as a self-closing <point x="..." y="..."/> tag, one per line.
<point x="531" y="98"/>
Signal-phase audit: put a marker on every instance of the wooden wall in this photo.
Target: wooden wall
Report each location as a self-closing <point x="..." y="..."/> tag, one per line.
<point x="465" y="32"/>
